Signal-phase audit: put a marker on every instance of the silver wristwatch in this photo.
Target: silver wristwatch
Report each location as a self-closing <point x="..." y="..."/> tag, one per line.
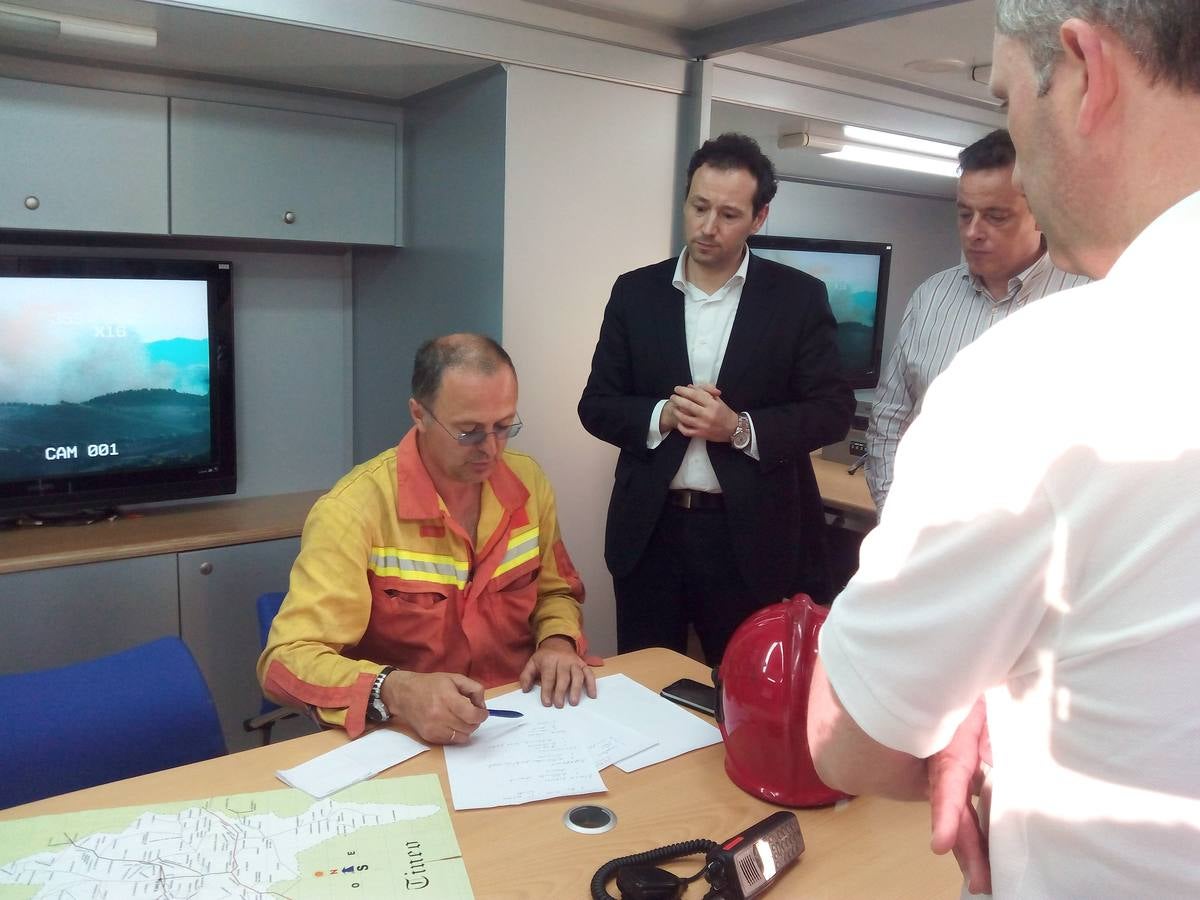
<point x="741" y="435"/>
<point x="377" y="711"/>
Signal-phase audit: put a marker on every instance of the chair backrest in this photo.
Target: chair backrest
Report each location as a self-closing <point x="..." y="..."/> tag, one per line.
<point x="133" y="712"/>
<point x="267" y="606"/>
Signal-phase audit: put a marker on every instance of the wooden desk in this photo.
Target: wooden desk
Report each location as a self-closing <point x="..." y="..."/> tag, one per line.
<point x="866" y="848"/>
<point x="843" y="491"/>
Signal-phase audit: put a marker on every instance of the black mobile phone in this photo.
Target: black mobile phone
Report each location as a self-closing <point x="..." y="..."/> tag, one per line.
<point x="692" y="693"/>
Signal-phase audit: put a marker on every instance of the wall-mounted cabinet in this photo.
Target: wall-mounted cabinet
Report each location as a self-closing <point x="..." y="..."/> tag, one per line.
<point x="78" y="159"/>
<point x="241" y="171"/>
<point x="88" y="160"/>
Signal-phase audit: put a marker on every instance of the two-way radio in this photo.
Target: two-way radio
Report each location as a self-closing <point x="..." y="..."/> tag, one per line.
<point x="740" y="868"/>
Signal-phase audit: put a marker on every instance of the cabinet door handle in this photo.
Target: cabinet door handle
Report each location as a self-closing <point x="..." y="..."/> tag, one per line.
<point x="206" y="568"/>
<point x="32" y="202"/>
<point x="289" y="218"/>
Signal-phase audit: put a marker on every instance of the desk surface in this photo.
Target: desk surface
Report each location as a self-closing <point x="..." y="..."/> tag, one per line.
<point x="842" y="490"/>
<point x="865" y="848"/>
<point x="154" y="530"/>
<point x="174" y="529"/>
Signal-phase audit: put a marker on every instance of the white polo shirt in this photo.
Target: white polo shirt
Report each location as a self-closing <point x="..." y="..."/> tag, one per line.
<point x="1041" y="546"/>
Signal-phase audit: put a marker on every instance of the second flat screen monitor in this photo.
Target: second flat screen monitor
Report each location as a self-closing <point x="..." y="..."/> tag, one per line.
<point x="856" y="277"/>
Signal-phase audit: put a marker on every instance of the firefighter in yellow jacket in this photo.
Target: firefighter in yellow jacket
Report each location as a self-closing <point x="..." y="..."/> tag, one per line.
<point x="434" y="570"/>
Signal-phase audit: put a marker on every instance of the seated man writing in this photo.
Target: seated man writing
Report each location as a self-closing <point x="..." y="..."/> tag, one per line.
<point x="434" y="570"/>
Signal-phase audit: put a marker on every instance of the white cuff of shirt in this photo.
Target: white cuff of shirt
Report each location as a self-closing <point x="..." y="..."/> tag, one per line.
<point x="752" y="450"/>
<point x="654" y="437"/>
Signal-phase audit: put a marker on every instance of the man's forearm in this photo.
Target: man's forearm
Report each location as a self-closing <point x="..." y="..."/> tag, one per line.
<point x="850" y="760"/>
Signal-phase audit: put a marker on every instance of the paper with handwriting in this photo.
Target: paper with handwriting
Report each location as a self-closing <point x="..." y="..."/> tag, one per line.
<point x="504" y="767"/>
<point x="607" y="740"/>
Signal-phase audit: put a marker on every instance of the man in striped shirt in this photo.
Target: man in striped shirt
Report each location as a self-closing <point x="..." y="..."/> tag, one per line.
<point x="1006" y="267"/>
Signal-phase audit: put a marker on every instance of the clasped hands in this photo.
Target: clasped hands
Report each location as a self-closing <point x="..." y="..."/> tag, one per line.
<point x="697" y="410"/>
<point x="445" y="707"/>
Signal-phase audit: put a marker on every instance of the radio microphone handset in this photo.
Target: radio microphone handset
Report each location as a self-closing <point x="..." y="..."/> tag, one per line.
<point x="741" y="868"/>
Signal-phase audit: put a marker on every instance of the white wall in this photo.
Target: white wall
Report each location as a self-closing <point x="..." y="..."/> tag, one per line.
<point x="590" y="192"/>
<point x="447" y="277"/>
<point x="922" y="232"/>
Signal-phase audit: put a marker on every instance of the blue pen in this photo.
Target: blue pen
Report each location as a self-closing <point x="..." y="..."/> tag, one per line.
<point x="505" y="713"/>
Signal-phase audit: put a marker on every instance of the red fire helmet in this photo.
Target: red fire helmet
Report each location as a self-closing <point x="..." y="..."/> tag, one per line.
<point x="762" y="704"/>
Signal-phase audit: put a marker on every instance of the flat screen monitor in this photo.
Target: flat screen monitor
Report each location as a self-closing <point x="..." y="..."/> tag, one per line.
<point x="116" y="382"/>
<point x="856" y="276"/>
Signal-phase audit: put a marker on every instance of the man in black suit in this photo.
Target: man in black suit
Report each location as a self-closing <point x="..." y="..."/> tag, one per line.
<point x="716" y="374"/>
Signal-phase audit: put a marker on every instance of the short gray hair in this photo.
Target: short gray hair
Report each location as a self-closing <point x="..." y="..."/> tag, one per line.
<point x="1163" y="35"/>
<point x="474" y="352"/>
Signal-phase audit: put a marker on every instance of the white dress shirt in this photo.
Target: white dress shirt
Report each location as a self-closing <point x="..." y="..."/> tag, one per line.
<point x="708" y="321"/>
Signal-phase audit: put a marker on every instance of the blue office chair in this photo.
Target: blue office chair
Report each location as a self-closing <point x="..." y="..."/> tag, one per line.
<point x="133" y="712"/>
<point x="267" y="606"/>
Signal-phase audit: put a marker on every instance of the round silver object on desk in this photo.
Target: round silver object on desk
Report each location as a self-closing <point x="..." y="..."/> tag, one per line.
<point x="289" y="217"/>
<point x="206" y="568"/>
<point x="32" y="202"/>
<point x="590" y="819"/>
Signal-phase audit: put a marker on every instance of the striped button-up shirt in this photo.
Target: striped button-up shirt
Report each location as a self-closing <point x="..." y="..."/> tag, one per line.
<point x="947" y="312"/>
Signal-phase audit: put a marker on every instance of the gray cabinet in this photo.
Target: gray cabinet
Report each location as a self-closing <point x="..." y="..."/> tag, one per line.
<point x="82" y="160"/>
<point x="218" y="621"/>
<point x="55" y="617"/>
<point x="241" y="171"/>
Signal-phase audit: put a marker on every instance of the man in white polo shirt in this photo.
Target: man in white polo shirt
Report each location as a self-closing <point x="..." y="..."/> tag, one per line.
<point x="1058" y="575"/>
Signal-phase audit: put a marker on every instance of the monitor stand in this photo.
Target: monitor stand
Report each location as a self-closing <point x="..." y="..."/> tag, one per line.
<point x="62" y="517"/>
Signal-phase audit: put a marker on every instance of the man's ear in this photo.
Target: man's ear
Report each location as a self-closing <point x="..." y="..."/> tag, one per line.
<point x="1091" y="51"/>
<point x="417" y="413"/>
<point x="760" y="218"/>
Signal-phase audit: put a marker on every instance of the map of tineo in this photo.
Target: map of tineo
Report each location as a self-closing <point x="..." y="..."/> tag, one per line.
<point x="385" y="838"/>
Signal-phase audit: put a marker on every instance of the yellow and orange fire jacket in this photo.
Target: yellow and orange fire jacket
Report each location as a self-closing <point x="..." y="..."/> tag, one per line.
<point x="385" y="576"/>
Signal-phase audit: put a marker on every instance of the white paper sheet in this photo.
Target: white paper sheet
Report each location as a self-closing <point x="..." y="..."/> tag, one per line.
<point x="606" y="739"/>
<point x="537" y="760"/>
<point x="351" y="763"/>
<point x="676" y="730"/>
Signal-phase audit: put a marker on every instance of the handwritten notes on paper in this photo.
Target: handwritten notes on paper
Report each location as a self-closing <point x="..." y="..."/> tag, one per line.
<point x="543" y="758"/>
<point x="558" y="752"/>
<point x="607" y="739"/>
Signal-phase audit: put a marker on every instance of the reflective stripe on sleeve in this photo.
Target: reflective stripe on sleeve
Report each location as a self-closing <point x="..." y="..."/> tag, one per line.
<point x="522" y="547"/>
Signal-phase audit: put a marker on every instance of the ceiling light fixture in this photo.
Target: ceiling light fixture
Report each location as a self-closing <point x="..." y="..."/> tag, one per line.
<point x="888" y="157"/>
<point x="901" y="142"/>
<point x="40" y="21"/>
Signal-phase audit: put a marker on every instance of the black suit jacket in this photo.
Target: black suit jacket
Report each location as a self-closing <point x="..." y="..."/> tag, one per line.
<point x="781" y="365"/>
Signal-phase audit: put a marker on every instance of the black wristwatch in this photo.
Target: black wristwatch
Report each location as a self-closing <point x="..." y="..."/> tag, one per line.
<point x="377" y="711"/>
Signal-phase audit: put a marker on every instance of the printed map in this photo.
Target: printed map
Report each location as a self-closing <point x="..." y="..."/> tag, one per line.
<point x="386" y="838"/>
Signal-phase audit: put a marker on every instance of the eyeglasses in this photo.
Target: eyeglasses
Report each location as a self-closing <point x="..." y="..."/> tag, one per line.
<point x="477" y="437"/>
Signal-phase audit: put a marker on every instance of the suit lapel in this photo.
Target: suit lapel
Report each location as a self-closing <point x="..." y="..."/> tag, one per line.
<point x="756" y="310"/>
<point x="667" y="310"/>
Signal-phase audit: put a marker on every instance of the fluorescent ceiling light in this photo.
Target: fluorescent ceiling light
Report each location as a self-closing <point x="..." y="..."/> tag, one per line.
<point x="23" y="18"/>
<point x="901" y="142"/>
<point x="873" y="156"/>
<point x="896" y="159"/>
